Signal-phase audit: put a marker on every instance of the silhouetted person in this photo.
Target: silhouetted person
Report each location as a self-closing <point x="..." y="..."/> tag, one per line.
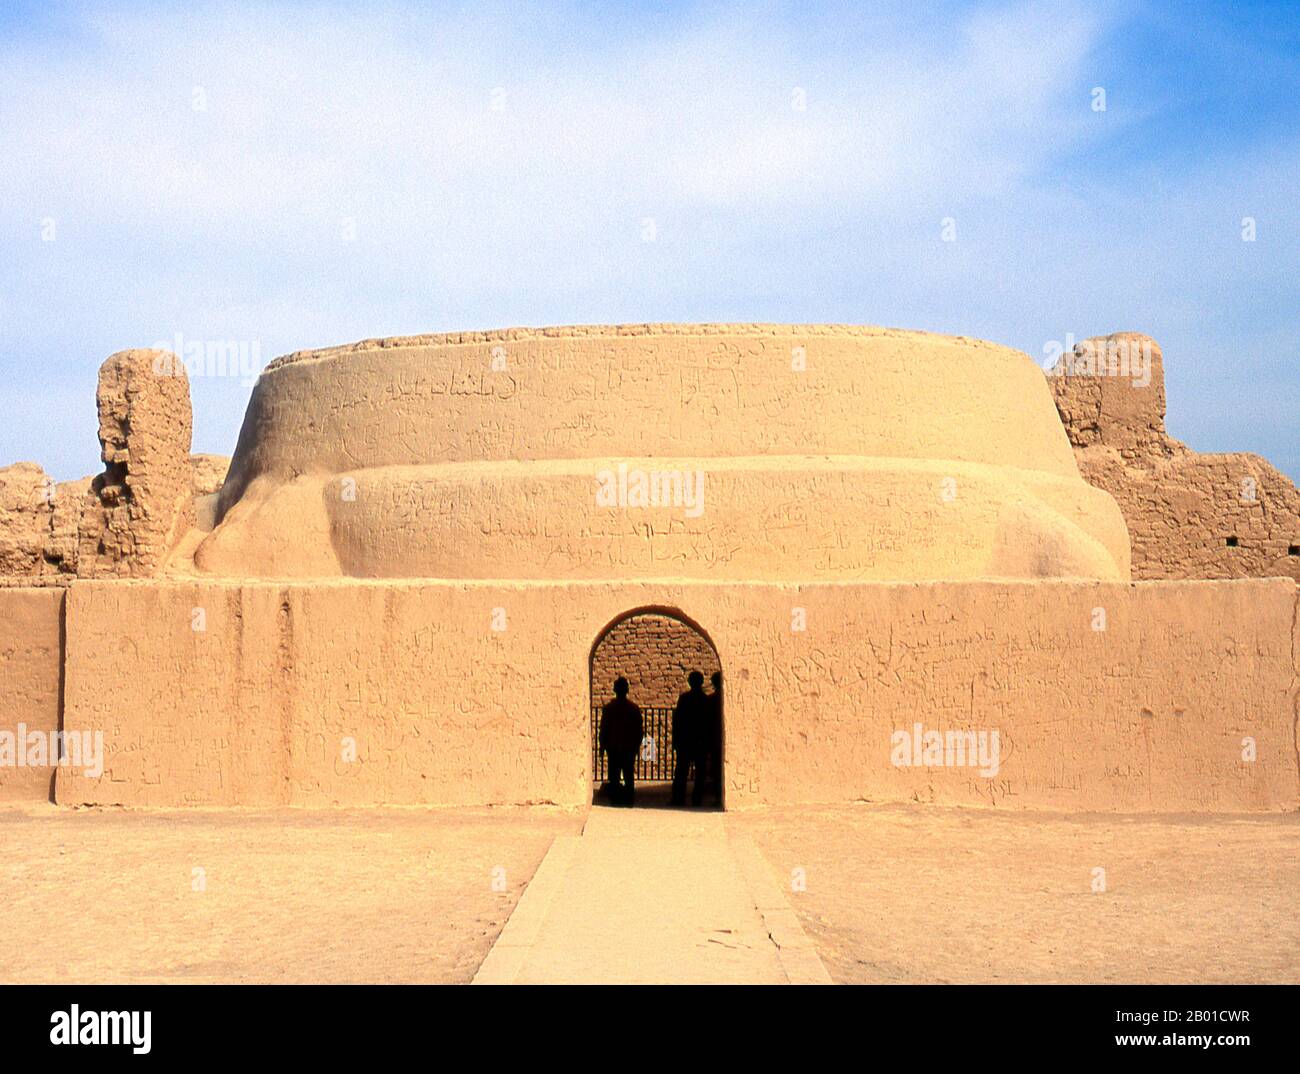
<point x="715" y="735"/>
<point x="691" y="740"/>
<point x="621" y="731"/>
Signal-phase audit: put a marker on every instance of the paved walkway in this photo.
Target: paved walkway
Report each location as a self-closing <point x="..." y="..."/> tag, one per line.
<point x="652" y="896"/>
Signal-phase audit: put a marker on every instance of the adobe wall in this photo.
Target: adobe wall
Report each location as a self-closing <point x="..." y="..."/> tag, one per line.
<point x="655" y="654"/>
<point x="258" y="706"/>
<point x="31" y="656"/>
<point x="823" y="519"/>
<point x="647" y="391"/>
<point x="823" y="452"/>
<point x="142" y="504"/>
<point x="127" y="520"/>
<point x="39" y="520"/>
<point x="1189" y="515"/>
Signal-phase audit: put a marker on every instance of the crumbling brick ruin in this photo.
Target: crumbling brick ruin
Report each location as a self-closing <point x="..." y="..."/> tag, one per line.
<point x="125" y="521"/>
<point x="142" y="503"/>
<point x="39" y="520"/>
<point x="1189" y="515"/>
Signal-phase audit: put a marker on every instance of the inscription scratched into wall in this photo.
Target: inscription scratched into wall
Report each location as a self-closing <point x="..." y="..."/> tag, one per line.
<point x="1148" y="714"/>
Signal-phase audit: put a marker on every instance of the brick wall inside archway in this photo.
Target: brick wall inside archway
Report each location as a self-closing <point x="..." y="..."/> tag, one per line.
<point x="655" y="653"/>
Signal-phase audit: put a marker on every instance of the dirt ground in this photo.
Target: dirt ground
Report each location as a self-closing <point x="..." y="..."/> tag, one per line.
<point x="893" y="894"/>
<point x="919" y="894"/>
<point x="351" y="896"/>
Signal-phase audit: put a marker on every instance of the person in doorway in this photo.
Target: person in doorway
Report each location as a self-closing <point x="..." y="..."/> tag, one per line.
<point x="715" y="737"/>
<point x="690" y="740"/>
<point x="621" y="731"/>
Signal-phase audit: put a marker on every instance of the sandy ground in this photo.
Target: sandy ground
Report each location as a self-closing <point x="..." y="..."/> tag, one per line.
<point x="906" y="894"/>
<point x="358" y="895"/>
<point x="919" y="894"/>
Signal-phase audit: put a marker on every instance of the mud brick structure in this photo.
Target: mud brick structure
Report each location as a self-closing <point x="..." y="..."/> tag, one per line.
<point x="126" y="521"/>
<point x="1189" y="515"/>
<point x="431" y="555"/>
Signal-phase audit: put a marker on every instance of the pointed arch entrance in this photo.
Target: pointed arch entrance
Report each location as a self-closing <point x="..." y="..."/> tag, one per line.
<point x="655" y="649"/>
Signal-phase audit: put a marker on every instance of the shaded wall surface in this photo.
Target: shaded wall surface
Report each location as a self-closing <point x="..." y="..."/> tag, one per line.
<point x="655" y="653"/>
<point x="31" y="626"/>
<point x="1171" y="696"/>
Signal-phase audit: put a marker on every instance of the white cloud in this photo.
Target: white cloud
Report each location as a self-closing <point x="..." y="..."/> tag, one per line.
<point x="229" y="222"/>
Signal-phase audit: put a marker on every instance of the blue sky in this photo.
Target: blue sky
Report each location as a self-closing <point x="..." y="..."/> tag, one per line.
<point x="298" y="175"/>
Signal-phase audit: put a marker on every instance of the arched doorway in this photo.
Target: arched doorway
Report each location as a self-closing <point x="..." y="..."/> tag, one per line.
<point x="655" y="649"/>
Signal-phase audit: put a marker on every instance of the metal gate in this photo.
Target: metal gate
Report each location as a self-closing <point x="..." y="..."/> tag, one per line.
<point x="654" y="762"/>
